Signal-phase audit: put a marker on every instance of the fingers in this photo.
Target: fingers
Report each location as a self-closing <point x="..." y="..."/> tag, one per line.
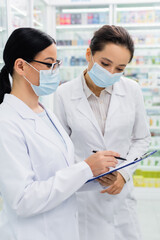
<point x="116" y="187"/>
<point x="107" y="180"/>
<point x="112" y="193"/>
<point x="114" y="174"/>
<point x="109" y="177"/>
<point x="110" y="153"/>
<point x="105" y="183"/>
<point x="99" y="172"/>
<point x="101" y="161"/>
<point x="109" y="190"/>
<point x="110" y="161"/>
<point x="104" y="191"/>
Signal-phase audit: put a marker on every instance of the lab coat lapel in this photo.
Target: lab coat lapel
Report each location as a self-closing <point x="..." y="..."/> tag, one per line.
<point x="62" y="132"/>
<point x="83" y="104"/>
<point x="117" y="93"/>
<point x="46" y="132"/>
<point x="86" y="110"/>
<point x="40" y="126"/>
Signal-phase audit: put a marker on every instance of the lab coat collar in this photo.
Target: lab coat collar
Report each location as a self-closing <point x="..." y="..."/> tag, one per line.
<point x="118" y="88"/>
<point x="77" y="91"/>
<point x="19" y="106"/>
<point x="88" y="92"/>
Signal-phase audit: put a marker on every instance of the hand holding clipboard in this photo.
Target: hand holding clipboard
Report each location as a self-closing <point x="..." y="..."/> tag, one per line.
<point x="146" y="155"/>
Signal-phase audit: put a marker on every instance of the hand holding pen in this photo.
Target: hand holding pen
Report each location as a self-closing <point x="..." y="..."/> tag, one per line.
<point x="100" y="162"/>
<point x="119" y="158"/>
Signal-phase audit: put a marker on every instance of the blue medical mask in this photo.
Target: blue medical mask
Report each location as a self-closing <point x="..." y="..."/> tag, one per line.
<point x="102" y="77"/>
<point x="48" y="81"/>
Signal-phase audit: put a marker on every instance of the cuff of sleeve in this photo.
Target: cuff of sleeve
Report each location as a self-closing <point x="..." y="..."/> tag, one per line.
<point x="87" y="171"/>
<point x="124" y="174"/>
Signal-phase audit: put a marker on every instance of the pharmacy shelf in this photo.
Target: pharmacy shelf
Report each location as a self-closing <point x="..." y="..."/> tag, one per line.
<point x="150" y="87"/>
<point x="37" y="11"/>
<point x="143" y="66"/>
<point x="144" y="30"/>
<point x="129" y="9"/>
<point x="147" y="46"/>
<point x="139" y="25"/>
<point x="153" y="107"/>
<point x="2" y="29"/>
<point x="19" y="11"/>
<point x="147" y="193"/>
<point x="85" y="46"/>
<point x="137" y="66"/>
<point x="154" y="128"/>
<point x="78" y="26"/>
<point x="149" y="168"/>
<point x="72" y="47"/>
<point x="72" y="67"/>
<point x="85" y="10"/>
<point x="38" y="23"/>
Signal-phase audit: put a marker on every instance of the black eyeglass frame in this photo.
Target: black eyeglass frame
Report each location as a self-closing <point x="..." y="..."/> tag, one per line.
<point x="58" y="62"/>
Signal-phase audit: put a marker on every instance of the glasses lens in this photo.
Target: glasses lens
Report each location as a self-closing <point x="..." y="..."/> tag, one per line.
<point x="56" y="65"/>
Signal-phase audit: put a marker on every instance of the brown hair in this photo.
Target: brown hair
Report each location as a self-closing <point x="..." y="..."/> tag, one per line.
<point x="111" y="34"/>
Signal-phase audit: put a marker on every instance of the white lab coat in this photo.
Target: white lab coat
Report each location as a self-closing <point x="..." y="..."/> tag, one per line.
<point x="37" y="176"/>
<point x="104" y="216"/>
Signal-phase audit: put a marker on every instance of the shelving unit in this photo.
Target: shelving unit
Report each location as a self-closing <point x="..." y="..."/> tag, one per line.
<point x="78" y="21"/>
<point x="3" y="28"/>
<point x="39" y="14"/>
<point x="145" y="69"/>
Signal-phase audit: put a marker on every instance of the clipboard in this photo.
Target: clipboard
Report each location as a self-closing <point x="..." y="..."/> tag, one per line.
<point x="146" y="155"/>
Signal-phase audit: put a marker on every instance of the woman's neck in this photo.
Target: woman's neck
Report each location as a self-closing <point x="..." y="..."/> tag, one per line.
<point x="95" y="89"/>
<point x="26" y="94"/>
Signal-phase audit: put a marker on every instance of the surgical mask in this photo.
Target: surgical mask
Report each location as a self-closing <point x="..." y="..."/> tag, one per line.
<point x="102" y="77"/>
<point x="48" y="81"/>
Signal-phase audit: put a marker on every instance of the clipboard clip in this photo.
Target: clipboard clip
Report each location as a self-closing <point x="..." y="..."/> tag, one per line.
<point x="144" y="156"/>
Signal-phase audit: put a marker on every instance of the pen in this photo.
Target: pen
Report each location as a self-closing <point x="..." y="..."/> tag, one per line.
<point x="119" y="158"/>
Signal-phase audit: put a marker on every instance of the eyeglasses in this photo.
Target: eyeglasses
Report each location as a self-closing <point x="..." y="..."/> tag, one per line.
<point x="53" y="66"/>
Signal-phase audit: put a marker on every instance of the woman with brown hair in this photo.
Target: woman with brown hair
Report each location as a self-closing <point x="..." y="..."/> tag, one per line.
<point x="103" y="110"/>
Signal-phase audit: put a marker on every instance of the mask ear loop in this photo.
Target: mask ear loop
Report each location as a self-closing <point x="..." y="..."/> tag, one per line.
<point x="92" y="58"/>
<point x="33" y="68"/>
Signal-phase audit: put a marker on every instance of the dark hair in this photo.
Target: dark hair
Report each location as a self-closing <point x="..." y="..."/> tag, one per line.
<point x="23" y="43"/>
<point x="111" y="34"/>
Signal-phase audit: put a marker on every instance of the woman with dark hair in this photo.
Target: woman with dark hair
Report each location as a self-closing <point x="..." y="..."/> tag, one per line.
<point x="37" y="176"/>
<point x="103" y="110"/>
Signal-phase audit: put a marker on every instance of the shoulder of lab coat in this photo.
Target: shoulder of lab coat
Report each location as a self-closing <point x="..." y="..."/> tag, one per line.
<point x="25" y="195"/>
<point x="125" y="87"/>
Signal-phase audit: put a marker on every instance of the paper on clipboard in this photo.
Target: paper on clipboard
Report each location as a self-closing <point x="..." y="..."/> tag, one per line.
<point x="126" y="165"/>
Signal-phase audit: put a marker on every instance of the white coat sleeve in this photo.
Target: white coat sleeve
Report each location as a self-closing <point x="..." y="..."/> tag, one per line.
<point x="25" y="195"/>
<point x="140" y="136"/>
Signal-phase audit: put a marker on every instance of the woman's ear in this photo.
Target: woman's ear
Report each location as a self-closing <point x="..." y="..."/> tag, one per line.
<point x="19" y="66"/>
<point x="88" y="55"/>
